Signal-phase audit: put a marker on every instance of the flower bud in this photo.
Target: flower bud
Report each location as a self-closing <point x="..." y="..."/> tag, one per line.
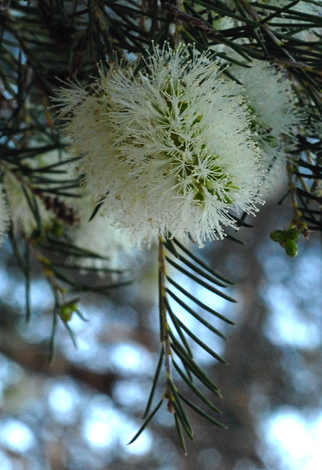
<point x="293" y="234"/>
<point x="278" y="236"/>
<point x="291" y="248"/>
<point x="67" y="310"/>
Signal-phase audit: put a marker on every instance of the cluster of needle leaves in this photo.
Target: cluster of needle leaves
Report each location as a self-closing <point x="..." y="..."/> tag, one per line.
<point x="177" y="339"/>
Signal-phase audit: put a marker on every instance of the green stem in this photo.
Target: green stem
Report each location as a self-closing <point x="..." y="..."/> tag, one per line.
<point x="164" y="326"/>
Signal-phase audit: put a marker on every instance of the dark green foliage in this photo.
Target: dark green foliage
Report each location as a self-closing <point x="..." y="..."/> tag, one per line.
<point x="175" y="343"/>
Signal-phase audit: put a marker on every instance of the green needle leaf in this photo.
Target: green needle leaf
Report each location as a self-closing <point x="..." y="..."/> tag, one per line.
<point x="195" y="268"/>
<point x="198" y="317"/>
<point x="195" y="389"/>
<point x="193" y="367"/>
<point x="201" y="343"/>
<point x="196" y="259"/>
<point x="144" y="425"/>
<point x="194" y="299"/>
<point x="176" y="323"/>
<point x="180" y="410"/>
<point x="201" y="412"/>
<point x="154" y="384"/>
<point x="180" y="434"/>
<point x="200" y="281"/>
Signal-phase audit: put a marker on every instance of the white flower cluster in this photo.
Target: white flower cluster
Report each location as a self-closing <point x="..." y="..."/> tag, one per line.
<point x="168" y="150"/>
<point x="272" y="104"/>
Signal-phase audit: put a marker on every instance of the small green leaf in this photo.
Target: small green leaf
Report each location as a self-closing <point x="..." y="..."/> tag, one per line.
<point x="146" y="422"/>
<point x="201" y="343"/>
<point x="196" y="259"/>
<point x="193" y="366"/>
<point x="198" y="302"/>
<point x="176" y="323"/>
<point x="200" y="281"/>
<point x="180" y="434"/>
<point x="198" y="317"/>
<point x="195" y="268"/>
<point x="154" y="384"/>
<point x="201" y="412"/>
<point x="71" y="334"/>
<point x="180" y="410"/>
<point x="195" y="389"/>
<point x="53" y="332"/>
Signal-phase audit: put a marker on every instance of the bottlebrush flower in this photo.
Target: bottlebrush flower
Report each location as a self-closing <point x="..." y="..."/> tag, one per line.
<point x="169" y="149"/>
<point x="272" y="104"/>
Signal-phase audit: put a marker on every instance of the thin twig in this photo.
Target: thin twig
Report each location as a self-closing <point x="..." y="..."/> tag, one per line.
<point x="196" y="23"/>
<point x="164" y="326"/>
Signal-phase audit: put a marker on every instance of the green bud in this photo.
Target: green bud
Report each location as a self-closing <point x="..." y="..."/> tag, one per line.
<point x="291" y="248"/>
<point x="278" y="236"/>
<point x="67" y="310"/>
<point x="293" y="234"/>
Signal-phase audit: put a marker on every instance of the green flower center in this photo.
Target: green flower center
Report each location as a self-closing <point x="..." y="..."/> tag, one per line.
<point x="201" y="185"/>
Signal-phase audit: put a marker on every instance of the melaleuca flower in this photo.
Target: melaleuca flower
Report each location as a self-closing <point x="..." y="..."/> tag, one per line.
<point x="169" y="150"/>
<point x="115" y="250"/>
<point x="272" y="104"/>
<point x="4" y="214"/>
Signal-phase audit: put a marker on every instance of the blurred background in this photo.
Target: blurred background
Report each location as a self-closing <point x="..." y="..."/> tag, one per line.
<point x="81" y="411"/>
